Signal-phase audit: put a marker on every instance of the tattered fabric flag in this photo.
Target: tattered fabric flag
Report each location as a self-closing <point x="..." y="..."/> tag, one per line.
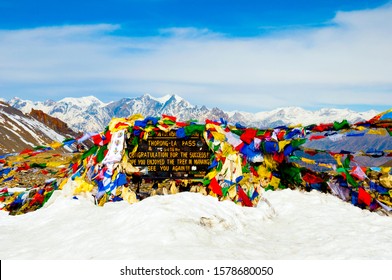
<point x="358" y="173"/>
<point x="386" y="207"/>
<point x="375" y="187"/>
<point x="322" y="127"/>
<point x="193" y="129"/>
<point x="341" y="125"/>
<point x="90" y="152"/>
<point x="68" y="141"/>
<point x="364" y="197"/>
<point x="316" y="137"/>
<point x="387" y="115"/>
<point x="248" y="135"/>
<point x="342" y="192"/>
<point x="336" y="137"/>
<point x="115" y="148"/>
<point x="233" y="139"/>
<point x="215" y="187"/>
<point x="275" y="182"/>
<point x="312" y="179"/>
<point x="308" y="161"/>
<point x="86" y="136"/>
<point x="245" y="200"/>
<point x="55" y="145"/>
<point x="5" y="171"/>
<point x="378" y="131"/>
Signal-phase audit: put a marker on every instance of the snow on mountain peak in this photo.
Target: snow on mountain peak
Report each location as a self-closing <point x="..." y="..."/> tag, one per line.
<point x="163" y="99"/>
<point x="168" y="97"/>
<point x="82" y="102"/>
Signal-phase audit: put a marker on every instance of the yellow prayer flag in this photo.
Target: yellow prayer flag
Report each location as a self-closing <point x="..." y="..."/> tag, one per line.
<point x="378" y="131"/>
<point x="275" y="181"/>
<point x="227" y="149"/>
<point x="269" y="162"/>
<point x="309" y="161"/>
<point x="82" y="186"/>
<point x="338" y="159"/>
<point x="128" y="195"/>
<point x="385" y="170"/>
<point x="283" y="144"/>
<point x="218" y="136"/>
<point x="212" y="174"/>
<point x="325" y="165"/>
<point x="63" y="182"/>
<point x="55" y="145"/>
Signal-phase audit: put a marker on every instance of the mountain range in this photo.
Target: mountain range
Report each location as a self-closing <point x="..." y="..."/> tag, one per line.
<point x="19" y="131"/>
<point x="89" y="114"/>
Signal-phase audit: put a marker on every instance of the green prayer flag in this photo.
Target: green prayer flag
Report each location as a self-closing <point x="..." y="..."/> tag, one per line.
<point x="39" y="165"/>
<point x="39" y="148"/>
<point x="224" y="191"/>
<point x="238" y="132"/>
<point x="68" y="139"/>
<point x="220" y="165"/>
<point x="341" y="125"/>
<point x="269" y="188"/>
<point x="206" y="182"/>
<point x="89" y="152"/>
<point x="101" y="153"/>
<point x="291" y="175"/>
<point x="346" y="162"/>
<point x="351" y="180"/>
<point x="298" y="142"/>
<point x="47" y="196"/>
<point x="294" y="158"/>
<point x="193" y="129"/>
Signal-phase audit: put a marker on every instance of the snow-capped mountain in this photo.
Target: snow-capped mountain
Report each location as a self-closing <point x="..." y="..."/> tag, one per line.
<point x="81" y="114"/>
<point x="92" y="115"/>
<point x="19" y="131"/>
<point x="169" y="105"/>
<point x="296" y="115"/>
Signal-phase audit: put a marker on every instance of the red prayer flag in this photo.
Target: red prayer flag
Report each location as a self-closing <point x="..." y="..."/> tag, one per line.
<point x="108" y="137"/>
<point x="312" y="179"/>
<point x="24" y="166"/>
<point x="75" y="167"/>
<point x="278" y="157"/>
<point x="316" y="137"/>
<point x="26" y="151"/>
<point x="37" y="198"/>
<point x="323" y="127"/>
<point x="97" y="139"/>
<point x="172" y="118"/>
<point x="248" y="135"/>
<point x="243" y="197"/>
<point x="215" y="187"/>
<point x="364" y="197"/>
<point x="181" y="124"/>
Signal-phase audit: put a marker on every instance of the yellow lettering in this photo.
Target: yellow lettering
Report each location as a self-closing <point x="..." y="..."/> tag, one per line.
<point x="189" y="143"/>
<point x="182" y="161"/>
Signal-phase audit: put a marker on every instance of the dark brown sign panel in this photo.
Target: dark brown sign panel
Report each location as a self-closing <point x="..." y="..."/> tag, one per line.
<point x="167" y="156"/>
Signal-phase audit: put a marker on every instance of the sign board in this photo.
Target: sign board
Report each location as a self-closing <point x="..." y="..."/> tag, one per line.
<point x="167" y="156"/>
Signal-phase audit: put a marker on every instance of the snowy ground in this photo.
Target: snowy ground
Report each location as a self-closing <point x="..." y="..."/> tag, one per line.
<point x="186" y="226"/>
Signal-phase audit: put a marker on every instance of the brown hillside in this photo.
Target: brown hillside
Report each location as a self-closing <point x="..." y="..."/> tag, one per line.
<point x="54" y="123"/>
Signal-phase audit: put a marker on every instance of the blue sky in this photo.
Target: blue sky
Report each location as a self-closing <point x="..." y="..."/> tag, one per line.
<point x="236" y="55"/>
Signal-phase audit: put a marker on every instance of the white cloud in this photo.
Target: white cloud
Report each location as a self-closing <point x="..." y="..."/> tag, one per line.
<point x="346" y="63"/>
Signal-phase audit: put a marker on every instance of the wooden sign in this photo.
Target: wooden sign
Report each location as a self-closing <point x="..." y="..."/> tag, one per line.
<point x="167" y="156"/>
